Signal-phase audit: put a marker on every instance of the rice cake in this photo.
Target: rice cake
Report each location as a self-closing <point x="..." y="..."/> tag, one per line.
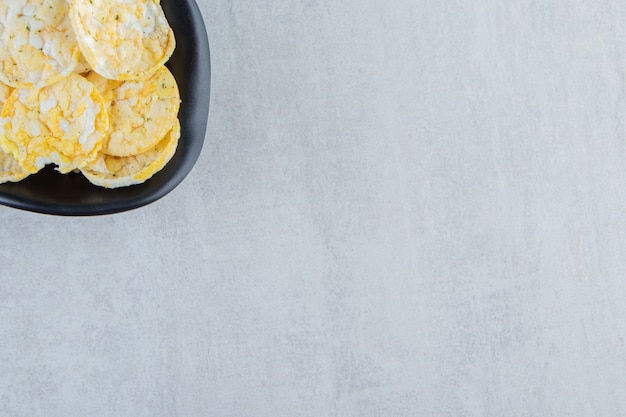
<point x="37" y="44"/>
<point x="114" y="171"/>
<point x="121" y="39"/>
<point x="140" y="112"/>
<point x="63" y="124"/>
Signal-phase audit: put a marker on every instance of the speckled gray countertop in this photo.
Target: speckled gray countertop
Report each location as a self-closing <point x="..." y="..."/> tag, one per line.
<point x="403" y="208"/>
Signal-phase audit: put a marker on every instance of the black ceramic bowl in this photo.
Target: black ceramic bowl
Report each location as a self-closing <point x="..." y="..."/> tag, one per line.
<point x="72" y="195"/>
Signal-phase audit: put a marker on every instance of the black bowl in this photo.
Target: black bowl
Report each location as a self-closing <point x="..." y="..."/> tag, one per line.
<point x="72" y="195"/>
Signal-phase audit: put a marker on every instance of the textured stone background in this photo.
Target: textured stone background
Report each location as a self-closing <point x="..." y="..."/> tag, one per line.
<point x="403" y="208"/>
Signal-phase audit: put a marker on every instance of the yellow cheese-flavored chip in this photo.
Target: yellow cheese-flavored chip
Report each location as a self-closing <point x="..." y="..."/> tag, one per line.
<point x="106" y="88"/>
<point x="82" y="67"/>
<point x="37" y="44"/>
<point x="5" y="92"/>
<point x="121" y="39"/>
<point x="114" y="171"/>
<point x="64" y="124"/>
<point x="10" y="169"/>
<point x="141" y="112"/>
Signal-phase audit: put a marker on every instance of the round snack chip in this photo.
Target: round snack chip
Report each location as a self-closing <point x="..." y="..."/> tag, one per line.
<point x="140" y="112"/>
<point x="114" y="171"/>
<point x="64" y="124"/>
<point x="5" y="92"/>
<point x="121" y="39"/>
<point x="37" y="44"/>
<point x="105" y="87"/>
<point x="82" y="67"/>
<point x="10" y="169"/>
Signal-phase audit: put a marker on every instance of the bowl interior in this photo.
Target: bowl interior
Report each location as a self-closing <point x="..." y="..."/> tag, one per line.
<point x="71" y="194"/>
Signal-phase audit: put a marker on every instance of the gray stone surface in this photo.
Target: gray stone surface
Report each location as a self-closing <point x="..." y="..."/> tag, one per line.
<point x="403" y="208"/>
